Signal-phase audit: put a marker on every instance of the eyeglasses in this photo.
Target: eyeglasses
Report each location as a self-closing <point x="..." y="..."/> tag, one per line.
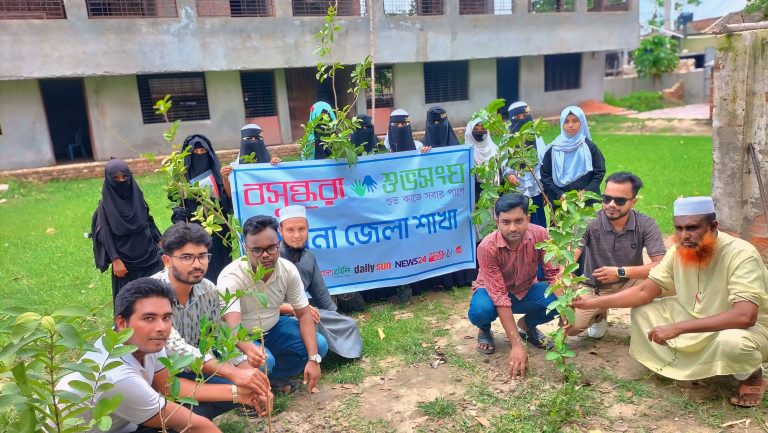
<point x="620" y="201"/>
<point x="188" y="259"/>
<point x="256" y="252"/>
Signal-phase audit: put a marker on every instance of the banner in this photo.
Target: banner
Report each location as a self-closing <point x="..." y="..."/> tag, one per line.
<point x="389" y="220"/>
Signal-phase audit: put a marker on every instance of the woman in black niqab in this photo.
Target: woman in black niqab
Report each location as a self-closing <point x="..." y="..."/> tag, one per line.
<point x="124" y="233"/>
<point x="439" y="132"/>
<point x="365" y="135"/>
<point x="202" y="159"/>
<point x="252" y="142"/>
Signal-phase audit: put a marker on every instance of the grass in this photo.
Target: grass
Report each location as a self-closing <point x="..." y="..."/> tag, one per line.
<point x="438" y="408"/>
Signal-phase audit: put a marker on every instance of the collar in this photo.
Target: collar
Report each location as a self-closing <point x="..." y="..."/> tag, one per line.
<point x="500" y="243"/>
<point x="631" y="224"/>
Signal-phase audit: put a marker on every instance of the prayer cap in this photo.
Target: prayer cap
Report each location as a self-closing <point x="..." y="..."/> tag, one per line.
<point x="250" y="130"/>
<point x="694" y="206"/>
<point x="293" y="211"/>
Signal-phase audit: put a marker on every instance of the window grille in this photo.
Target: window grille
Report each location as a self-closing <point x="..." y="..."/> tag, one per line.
<point x="131" y="8"/>
<point x="32" y="9"/>
<point x="413" y="7"/>
<point x="562" y="72"/>
<point x="446" y="81"/>
<point x="258" y="93"/>
<point x="188" y="94"/>
<point x="543" y="6"/>
<point x="318" y="8"/>
<point x="608" y="5"/>
<point x="385" y="87"/>
<point x="486" y="7"/>
<point x="235" y="8"/>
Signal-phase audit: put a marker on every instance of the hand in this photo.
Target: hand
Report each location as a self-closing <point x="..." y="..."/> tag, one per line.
<point x="513" y="179"/>
<point x="661" y="334"/>
<point x="315" y="314"/>
<point x="261" y="402"/>
<point x="369" y="183"/>
<point x="518" y="358"/>
<point x="582" y="303"/>
<point x="275" y="160"/>
<point x="425" y="149"/>
<point x="256" y="356"/>
<point x="118" y="268"/>
<point x="251" y="378"/>
<point x="312" y="375"/>
<point x="606" y="274"/>
<point x="226" y="170"/>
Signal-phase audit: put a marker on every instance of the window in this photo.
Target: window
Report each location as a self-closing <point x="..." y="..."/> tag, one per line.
<point x="608" y="5"/>
<point x="131" y="8"/>
<point x="32" y="9"/>
<point x="541" y="6"/>
<point x="413" y="7"/>
<point x="190" y="100"/>
<point x="486" y="7"/>
<point x="318" y="8"/>
<point x="235" y="8"/>
<point x="384" y="87"/>
<point x="446" y="81"/>
<point x="562" y="72"/>
<point x="258" y="93"/>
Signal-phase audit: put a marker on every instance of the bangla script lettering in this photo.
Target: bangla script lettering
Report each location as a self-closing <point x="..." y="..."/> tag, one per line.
<point x="326" y="191"/>
<point x="421" y="178"/>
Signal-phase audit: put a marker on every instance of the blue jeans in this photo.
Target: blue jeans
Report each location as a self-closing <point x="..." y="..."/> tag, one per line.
<point x="286" y="353"/>
<point x="482" y="312"/>
<point x="210" y="410"/>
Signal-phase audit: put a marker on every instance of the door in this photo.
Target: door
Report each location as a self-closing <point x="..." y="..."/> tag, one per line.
<point x="304" y="90"/>
<point x="67" y="116"/>
<point x="508" y="81"/>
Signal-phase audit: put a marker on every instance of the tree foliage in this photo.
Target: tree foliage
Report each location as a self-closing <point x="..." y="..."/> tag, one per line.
<point x="656" y="55"/>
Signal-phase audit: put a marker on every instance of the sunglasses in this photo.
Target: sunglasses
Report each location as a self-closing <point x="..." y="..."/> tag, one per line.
<point x="620" y="201"/>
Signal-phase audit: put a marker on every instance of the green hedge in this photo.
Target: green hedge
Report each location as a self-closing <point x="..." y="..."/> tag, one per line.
<point x="638" y="101"/>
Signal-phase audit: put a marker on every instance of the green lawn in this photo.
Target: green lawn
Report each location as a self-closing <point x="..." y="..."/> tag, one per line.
<point x="48" y="270"/>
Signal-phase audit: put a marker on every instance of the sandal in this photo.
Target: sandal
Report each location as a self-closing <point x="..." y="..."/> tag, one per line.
<point x="284" y="386"/>
<point x="536" y="338"/>
<point x="485" y="336"/>
<point x="749" y="395"/>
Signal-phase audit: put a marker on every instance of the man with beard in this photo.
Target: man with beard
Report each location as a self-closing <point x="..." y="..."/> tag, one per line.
<point x="507" y="283"/>
<point x="186" y="258"/>
<point x="612" y="249"/>
<point x="340" y="331"/>
<point x="717" y="321"/>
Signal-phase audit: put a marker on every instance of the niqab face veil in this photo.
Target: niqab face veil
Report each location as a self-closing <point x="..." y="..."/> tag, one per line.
<point x="365" y="134"/>
<point x="252" y="142"/>
<point x="400" y="138"/>
<point x="198" y="164"/>
<point x="439" y="132"/>
<point x="123" y="202"/>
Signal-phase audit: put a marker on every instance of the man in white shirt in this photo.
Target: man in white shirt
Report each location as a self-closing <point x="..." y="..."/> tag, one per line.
<point x="292" y="343"/>
<point x="144" y="305"/>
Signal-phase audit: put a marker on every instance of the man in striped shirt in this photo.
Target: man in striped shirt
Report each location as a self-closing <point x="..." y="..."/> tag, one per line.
<point x="507" y="282"/>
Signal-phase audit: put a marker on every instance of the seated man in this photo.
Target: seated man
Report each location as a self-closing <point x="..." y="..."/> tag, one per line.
<point x="507" y="283"/>
<point x="717" y="323"/>
<point x="291" y="345"/>
<point x="341" y="332"/>
<point x="186" y="256"/>
<point x="612" y="248"/>
<point x="144" y="305"/>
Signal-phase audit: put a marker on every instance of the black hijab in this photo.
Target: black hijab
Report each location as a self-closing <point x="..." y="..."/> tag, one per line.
<point x="516" y="109"/>
<point x="252" y="142"/>
<point x="365" y="134"/>
<point x="400" y="138"/>
<point x="439" y="132"/>
<point x="122" y="202"/>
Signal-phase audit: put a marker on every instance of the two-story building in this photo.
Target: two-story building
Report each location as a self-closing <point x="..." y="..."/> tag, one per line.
<point x="78" y="78"/>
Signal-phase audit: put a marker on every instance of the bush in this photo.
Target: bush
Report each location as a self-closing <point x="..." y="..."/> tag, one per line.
<point x="656" y="55"/>
<point x="638" y="101"/>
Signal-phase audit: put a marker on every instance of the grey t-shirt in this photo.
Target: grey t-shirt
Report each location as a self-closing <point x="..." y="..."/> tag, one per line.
<point x="601" y="246"/>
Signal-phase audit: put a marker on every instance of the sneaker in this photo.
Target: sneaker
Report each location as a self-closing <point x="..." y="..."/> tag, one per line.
<point x="598" y="329"/>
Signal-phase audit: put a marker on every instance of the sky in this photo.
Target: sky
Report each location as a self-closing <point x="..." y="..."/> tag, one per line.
<point x="707" y="8"/>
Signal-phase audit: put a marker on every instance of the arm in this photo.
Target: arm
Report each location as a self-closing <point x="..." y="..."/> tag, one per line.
<point x="546" y="178"/>
<point x="598" y="168"/>
<point x="609" y="274"/>
<point x="634" y="296"/>
<point x="255" y="354"/>
<point x="742" y="315"/>
<point x="518" y="357"/>
<point x="225" y="171"/>
<point x="309" y="336"/>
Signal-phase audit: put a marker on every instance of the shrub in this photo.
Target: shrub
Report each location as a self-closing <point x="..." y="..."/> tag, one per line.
<point x="638" y="101"/>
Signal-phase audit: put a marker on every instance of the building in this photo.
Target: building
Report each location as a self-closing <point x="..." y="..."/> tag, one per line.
<point x="78" y="78"/>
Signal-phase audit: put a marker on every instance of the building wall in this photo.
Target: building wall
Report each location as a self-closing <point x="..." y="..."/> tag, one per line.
<point x="24" y="141"/>
<point x="79" y="46"/>
<point x="694" y="85"/>
<point x="118" y="129"/>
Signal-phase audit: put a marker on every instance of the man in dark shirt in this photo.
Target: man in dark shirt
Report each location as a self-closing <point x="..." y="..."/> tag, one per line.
<point x="612" y="248"/>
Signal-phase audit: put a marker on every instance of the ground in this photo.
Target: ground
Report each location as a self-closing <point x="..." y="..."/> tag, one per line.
<point x="444" y="385"/>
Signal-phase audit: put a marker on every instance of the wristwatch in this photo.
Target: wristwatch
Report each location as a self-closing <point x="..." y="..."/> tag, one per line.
<point x="621" y="273"/>
<point x="316" y="357"/>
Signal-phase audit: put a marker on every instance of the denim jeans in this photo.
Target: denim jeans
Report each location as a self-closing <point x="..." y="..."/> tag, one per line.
<point x="482" y="312"/>
<point x="210" y="409"/>
<point x="286" y="353"/>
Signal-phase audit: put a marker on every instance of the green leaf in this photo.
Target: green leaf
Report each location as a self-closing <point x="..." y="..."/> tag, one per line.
<point x="104" y="423"/>
<point x="25" y="325"/>
<point x="70" y="312"/>
<point x="188" y="400"/>
<point x="79" y="385"/>
<point x="9" y="400"/>
<point x="262" y="298"/>
<point x="122" y="351"/>
<point x="551" y="356"/>
<point x="26" y="421"/>
<point x="175" y="387"/>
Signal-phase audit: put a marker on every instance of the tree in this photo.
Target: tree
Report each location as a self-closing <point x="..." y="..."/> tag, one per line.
<point x="757" y="6"/>
<point x="656" y="55"/>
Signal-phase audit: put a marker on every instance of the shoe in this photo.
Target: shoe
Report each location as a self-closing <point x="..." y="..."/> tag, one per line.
<point x="598" y="329"/>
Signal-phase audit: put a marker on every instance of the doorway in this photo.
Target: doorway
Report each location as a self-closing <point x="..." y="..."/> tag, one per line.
<point x="507" y="82"/>
<point x="67" y="115"/>
<point x="304" y="90"/>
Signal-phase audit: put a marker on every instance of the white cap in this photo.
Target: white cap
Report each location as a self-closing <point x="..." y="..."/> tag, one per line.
<point x="694" y="206"/>
<point x="293" y="211"/>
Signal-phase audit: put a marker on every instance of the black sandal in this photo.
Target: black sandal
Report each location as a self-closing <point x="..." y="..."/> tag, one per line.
<point x="485" y="336"/>
<point x="537" y="338"/>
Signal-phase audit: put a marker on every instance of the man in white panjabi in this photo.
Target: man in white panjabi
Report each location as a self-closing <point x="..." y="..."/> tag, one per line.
<point x="717" y="321"/>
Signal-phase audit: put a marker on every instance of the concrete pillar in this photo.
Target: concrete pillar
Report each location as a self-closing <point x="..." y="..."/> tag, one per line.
<point x="283" y="113"/>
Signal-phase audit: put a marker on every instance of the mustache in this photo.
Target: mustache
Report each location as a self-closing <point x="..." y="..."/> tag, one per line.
<point x="700" y="254"/>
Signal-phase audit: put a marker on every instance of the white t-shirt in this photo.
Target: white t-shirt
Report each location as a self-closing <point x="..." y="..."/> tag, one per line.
<point x="131" y="379"/>
<point x="283" y="286"/>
